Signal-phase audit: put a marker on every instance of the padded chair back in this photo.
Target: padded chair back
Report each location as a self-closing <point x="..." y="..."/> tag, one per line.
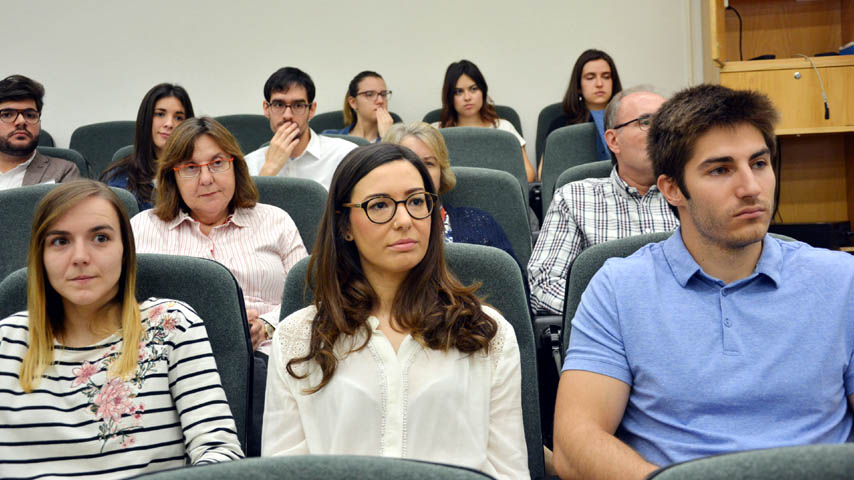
<point x="326" y="467"/>
<point x="99" y="141"/>
<point x="67" y="154"/>
<point x="566" y="147"/>
<point x="600" y="169"/>
<point x="503" y="111"/>
<point x="121" y="153"/>
<point x="46" y="139"/>
<point x="588" y="263"/>
<point x="501" y="287"/>
<point x="250" y="130"/>
<point x="350" y="138"/>
<point x="547" y="115"/>
<point x="827" y="462"/>
<point x="219" y="304"/>
<point x="17" y="206"/>
<point x="335" y="120"/>
<point x="487" y="148"/>
<point x="303" y="199"/>
<point x="495" y="192"/>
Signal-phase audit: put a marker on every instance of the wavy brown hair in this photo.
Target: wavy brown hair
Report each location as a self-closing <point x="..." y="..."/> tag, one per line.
<point x="179" y="148"/>
<point x="431" y="304"/>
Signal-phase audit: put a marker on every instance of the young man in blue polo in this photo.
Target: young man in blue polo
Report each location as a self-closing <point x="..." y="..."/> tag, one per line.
<point x="720" y="338"/>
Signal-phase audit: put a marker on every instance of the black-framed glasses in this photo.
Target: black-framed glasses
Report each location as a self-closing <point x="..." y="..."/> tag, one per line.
<point x="279" y="107"/>
<point x="644" y="121"/>
<point x="381" y="209"/>
<point x="372" y="94"/>
<point x="9" y="115"/>
<point x="192" y="170"/>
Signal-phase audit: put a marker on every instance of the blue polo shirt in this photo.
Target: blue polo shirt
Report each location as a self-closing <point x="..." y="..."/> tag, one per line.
<point x="762" y="362"/>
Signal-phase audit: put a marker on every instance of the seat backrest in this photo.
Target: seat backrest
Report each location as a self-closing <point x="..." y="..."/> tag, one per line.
<point x="495" y="192"/>
<point x="350" y="138"/>
<point x="303" y="199"/>
<point x="121" y="153"/>
<point x="828" y="462"/>
<point x="588" y="263"/>
<point x="325" y="467"/>
<point x="46" y="139"/>
<point x="17" y="206"/>
<point x="72" y="156"/>
<point x="250" y="130"/>
<point x="335" y="121"/>
<point x="599" y="169"/>
<point x="566" y="147"/>
<point x="501" y="287"/>
<point x="503" y="111"/>
<point x="219" y="304"/>
<point x="99" y="141"/>
<point x="487" y="148"/>
<point x="544" y="120"/>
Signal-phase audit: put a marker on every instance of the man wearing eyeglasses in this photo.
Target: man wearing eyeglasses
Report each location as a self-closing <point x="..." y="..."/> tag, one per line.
<point x="20" y="126"/>
<point x="596" y="210"/>
<point x="295" y="149"/>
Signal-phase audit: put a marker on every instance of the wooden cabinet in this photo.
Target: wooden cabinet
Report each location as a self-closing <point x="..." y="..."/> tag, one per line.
<point x="817" y="162"/>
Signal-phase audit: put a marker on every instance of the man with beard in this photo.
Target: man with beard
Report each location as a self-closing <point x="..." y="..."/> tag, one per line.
<point x="20" y="125"/>
<point x="721" y="338"/>
<point x="295" y="149"/>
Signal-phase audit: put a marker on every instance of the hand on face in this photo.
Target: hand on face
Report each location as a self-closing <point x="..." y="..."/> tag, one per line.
<point x="384" y="120"/>
<point x="281" y="149"/>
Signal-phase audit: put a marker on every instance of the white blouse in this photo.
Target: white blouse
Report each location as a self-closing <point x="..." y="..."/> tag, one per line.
<point x="448" y="407"/>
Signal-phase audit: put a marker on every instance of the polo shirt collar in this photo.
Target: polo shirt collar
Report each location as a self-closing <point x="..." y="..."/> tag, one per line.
<point x="683" y="265"/>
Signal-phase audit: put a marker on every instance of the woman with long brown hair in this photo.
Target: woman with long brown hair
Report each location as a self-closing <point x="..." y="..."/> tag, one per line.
<point x="94" y="382"/>
<point x="395" y="357"/>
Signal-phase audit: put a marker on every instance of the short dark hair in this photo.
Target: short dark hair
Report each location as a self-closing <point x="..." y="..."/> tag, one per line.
<point x="19" y="87"/>
<point x="284" y="78"/>
<point x="682" y="120"/>
<point x="450" y="117"/>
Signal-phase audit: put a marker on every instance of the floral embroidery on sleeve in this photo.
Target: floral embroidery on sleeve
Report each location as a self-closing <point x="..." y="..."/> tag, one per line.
<point x="113" y="401"/>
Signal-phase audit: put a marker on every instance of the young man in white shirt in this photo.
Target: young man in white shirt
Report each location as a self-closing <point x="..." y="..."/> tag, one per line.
<point x="295" y="149"/>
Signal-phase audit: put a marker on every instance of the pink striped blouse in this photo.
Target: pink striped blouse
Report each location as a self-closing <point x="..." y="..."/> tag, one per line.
<point x="259" y="245"/>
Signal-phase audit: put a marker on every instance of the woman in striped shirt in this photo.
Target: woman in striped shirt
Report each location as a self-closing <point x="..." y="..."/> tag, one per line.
<point x="92" y="383"/>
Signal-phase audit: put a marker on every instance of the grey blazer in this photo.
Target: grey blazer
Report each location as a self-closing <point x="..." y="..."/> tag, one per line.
<point x="44" y="169"/>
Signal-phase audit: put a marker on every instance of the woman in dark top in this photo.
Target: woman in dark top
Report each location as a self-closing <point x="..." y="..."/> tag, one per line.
<point x="162" y="109"/>
<point x="462" y="224"/>
<point x="594" y="80"/>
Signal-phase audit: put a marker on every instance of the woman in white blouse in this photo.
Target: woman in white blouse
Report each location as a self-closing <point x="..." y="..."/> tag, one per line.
<point x="94" y="383"/>
<point x="395" y="357"/>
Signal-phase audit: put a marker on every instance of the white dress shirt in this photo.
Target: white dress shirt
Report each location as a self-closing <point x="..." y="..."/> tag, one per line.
<point x="318" y="162"/>
<point x="14" y="178"/>
<point x="259" y="245"/>
<point x="448" y="407"/>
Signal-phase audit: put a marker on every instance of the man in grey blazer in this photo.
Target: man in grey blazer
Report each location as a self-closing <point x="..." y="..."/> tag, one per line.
<point x="20" y="126"/>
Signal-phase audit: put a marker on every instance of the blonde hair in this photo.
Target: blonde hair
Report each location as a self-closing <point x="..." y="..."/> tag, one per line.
<point x="435" y="142"/>
<point x="44" y="304"/>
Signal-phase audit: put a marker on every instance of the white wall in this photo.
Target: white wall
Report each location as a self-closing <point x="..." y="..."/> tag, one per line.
<point x="98" y="58"/>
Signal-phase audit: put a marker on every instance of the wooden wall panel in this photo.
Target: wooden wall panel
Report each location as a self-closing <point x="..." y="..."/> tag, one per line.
<point x="813" y="185"/>
<point x="785" y="27"/>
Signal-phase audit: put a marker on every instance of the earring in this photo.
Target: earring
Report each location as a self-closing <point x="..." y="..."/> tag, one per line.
<point x="580" y="98"/>
<point x="348" y="237"/>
